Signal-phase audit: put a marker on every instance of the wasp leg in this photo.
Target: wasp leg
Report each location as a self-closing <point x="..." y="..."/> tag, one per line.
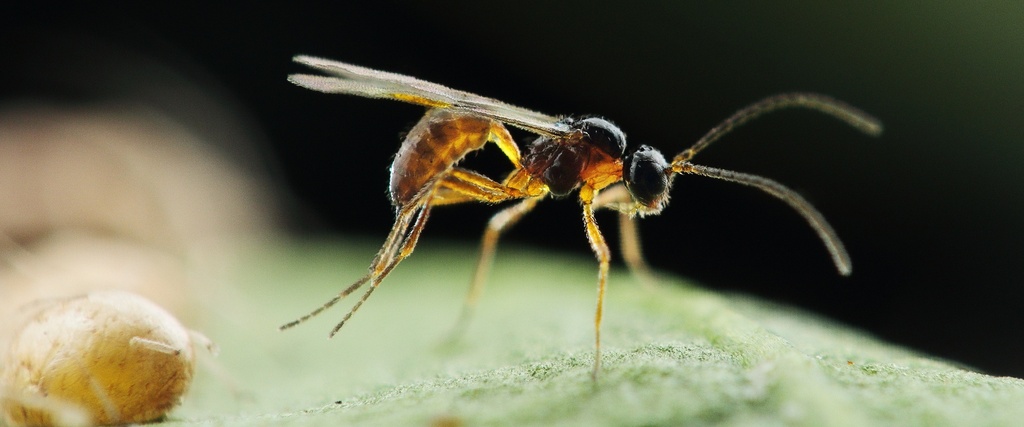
<point x="500" y="136"/>
<point x="382" y="270"/>
<point x="399" y="237"/>
<point x="498" y="223"/>
<point x="600" y="248"/>
<point x="617" y="198"/>
<point x="461" y="185"/>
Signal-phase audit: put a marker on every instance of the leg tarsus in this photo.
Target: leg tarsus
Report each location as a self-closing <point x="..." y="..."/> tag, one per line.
<point x="397" y="238"/>
<point x="408" y="245"/>
<point x="330" y="303"/>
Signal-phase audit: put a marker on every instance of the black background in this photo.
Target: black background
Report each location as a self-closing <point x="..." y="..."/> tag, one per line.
<point x="930" y="212"/>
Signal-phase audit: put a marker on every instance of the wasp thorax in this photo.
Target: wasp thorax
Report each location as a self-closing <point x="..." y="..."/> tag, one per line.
<point x="646" y="178"/>
<point x="603" y="135"/>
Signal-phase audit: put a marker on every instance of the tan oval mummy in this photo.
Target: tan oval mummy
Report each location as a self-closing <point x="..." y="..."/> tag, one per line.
<point x="112" y="356"/>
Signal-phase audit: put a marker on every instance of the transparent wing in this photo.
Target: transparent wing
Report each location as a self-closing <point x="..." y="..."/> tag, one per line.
<point x="355" y="80"/>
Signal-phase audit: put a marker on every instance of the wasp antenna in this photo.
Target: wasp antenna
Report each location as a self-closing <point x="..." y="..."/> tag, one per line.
<point x="828" y="105"/>
<point x="825" y="232"/>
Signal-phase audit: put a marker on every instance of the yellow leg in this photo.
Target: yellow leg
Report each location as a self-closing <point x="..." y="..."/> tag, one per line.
<point x="498" y="224"/>
<point x="462" y="185"/>
<point x="406" y="249"/>
<point x="501" y="137"/>
<point x="632" y="254"/>
<point x="396" y="238"/>
<point x="617" y="198"/>
<point x="600" y="248"/>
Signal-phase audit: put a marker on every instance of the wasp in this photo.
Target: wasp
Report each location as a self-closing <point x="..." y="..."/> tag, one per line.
<point x="586" y="155"/>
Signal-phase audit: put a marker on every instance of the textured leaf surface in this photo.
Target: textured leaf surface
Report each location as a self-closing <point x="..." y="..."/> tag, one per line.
<point x="673" y="354"/>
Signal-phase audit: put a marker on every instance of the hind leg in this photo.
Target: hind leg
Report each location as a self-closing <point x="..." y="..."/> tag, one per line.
<point x="383" y="262"/>
<point x="382" y="270"/>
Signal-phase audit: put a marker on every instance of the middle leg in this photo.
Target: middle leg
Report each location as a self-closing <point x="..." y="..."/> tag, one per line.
<point x="497" y="225"/>
<point x="461" y="186"/>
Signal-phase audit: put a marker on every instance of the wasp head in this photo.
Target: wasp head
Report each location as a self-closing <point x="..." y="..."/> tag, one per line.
<point x="647" y="177"/>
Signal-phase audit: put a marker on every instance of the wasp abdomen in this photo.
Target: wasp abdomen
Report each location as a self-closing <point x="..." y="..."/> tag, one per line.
<point x="440" y="139"/>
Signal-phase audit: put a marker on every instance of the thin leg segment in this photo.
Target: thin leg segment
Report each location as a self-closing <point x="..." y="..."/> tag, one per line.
<point x="600" y="248"/>
<point x="632" y="253"/>
<point x="384" y="255"/>
<point x="500" y="136"/>
<point x="500" y="222"/>
<point x="495" y="227"/>
<point x="617" y="198"/>
<point x="462" y="185"/>
<point x="456" y="186"/>
<point x="398" y="239"/>
<point x="406" y="250"/>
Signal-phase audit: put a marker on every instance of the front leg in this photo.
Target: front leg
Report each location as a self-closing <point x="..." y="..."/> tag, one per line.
<point x="617" y="198"/>
<point x="600" y="248"/>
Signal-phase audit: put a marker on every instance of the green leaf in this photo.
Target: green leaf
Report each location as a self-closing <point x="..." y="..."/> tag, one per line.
<point x="673" y="354"/>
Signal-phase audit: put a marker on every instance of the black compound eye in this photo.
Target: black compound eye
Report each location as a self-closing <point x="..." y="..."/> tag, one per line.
<point x="605" y="135"/>
<point x="645" y="176"/>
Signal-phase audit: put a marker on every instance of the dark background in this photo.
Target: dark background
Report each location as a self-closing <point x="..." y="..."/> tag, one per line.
<point x="930" y="212"/>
